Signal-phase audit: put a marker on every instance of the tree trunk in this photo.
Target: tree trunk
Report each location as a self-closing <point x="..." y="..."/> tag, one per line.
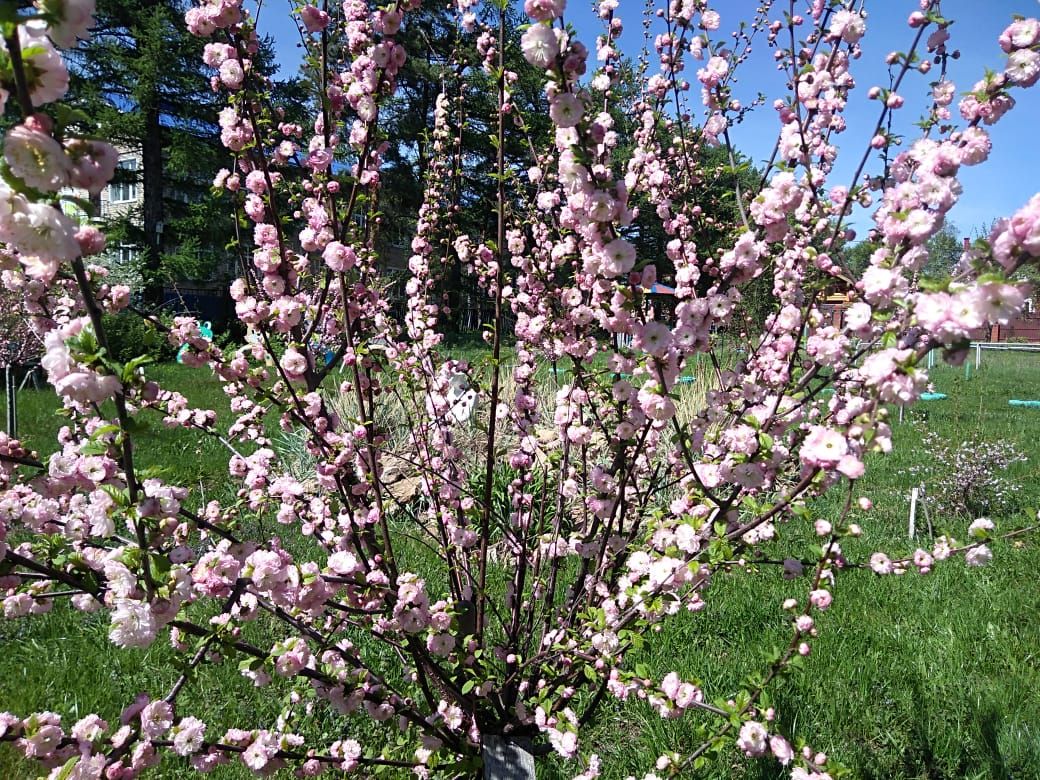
<point x="152" y="207"/>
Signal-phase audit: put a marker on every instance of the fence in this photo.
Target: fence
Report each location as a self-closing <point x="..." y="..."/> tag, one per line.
<point x="211" y="302"/>
<point x="1025" y="329"/>
<point x="978" y="347"/>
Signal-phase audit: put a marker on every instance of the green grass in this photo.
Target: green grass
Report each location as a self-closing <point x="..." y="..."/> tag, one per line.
<point x="185" y="457"/>
<point x="912" y="677"/>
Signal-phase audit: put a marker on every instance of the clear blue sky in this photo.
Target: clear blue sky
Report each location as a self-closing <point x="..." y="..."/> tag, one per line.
<point x="996" y="188"/>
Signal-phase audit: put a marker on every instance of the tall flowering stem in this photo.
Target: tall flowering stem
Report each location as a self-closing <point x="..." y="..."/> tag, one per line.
<point x="496" y="336"/>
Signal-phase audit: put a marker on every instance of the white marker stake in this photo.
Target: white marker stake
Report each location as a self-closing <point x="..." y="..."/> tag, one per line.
<point x="927" y="519"/>
<point x="913" y="512"/>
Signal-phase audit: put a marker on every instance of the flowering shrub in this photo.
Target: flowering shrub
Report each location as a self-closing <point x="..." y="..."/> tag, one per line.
<point x="19" y="343"/>
<point x="614" y="511"/>
<point x="969" y="479"/>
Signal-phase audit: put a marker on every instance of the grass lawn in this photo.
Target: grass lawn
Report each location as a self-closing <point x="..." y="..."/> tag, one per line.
<point x="184" y="457"/>
<point x="912" y="677"/>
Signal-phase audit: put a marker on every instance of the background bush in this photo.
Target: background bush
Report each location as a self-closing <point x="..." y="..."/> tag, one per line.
<point x="129" y="336"/>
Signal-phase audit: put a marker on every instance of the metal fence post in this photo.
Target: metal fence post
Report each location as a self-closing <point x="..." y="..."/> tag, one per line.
<point x="11" y="388"/>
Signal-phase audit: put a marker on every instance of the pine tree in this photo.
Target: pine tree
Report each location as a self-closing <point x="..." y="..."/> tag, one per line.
<point x="142" y="80"/>
<point x="439" y="57"/>
<point x="140" y="77"/>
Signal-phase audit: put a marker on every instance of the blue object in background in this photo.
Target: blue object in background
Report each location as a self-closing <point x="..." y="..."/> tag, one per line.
<point x="1027" y="404"/>
<point x="932" y="396"/>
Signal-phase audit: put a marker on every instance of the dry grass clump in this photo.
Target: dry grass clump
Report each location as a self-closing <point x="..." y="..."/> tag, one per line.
<point x="401" y="411"/>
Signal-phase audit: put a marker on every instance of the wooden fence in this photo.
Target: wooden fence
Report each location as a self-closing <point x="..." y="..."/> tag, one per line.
<point x="1024" y="329"/>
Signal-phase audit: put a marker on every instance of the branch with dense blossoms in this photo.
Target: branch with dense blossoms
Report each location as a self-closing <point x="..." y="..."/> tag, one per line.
<point x="558" y="519"/>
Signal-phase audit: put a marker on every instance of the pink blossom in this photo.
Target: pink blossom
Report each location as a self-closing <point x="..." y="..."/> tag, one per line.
<point x="188" y="736"/>
<point x="923" y="561"/>
<point x="132" y="624"/>
<point x="199" y="22"/>
<point x="37" y="230"/>
<point x="92" y="242"/>
<point x="544" y="10"/>
<point x="565" y="110"/>
<point x="981" y="528"/>
<point x="1023" y="67"/>
<point x="232" y="74"/>
<point x="1020" y="34"/>
<point x="823" y="447"/>
<point x="654" y="338"/>
<point x="440" y="644"/>
<point x="313" y="18"/>
<point x="74" y="20"/>
<point x="978" y="556"/>
<point x="710" y="19"/>
<point x="540" y="46"/>
<point x="89" y="728"/>
<point x="339" y="257"/>
<point x="42" y="735"/>
<point x="753" y="738"/>
<point x="781" y="749"/>
<point x="895" y="381"/>
<point x="294" y="363"/>
<point x="214" y="54"/>
<point x="849" y="26"/>
<point x="619" y="257"/>
<point x="36" y="158"/>
<point x="49" y="78"/>
<point x="290" y="657"/>
<point x="820" y="598"/>
<point x="156" y="719"/>
<point x="260" y="752"/>
<point x="881" y="564"/>
<point x="349" y="751"/>
<point x="344" y="563"/>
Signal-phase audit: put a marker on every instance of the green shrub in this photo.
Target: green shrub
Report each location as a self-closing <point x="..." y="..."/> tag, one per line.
<point x="130" y="336"/>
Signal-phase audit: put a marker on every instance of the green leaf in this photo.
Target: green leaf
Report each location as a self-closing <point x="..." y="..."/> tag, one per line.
<point x="67" y="115"/>
<point x="93" y="448"/>
<point x="66" y="769"/>
<point x="130" y="369"/>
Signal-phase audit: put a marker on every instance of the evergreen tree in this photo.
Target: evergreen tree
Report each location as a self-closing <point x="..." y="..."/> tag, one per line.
<point x="442" y="59"/>
<point x="439" y="57"/>
<point x="140" y="77"/>
<point x="142" y="80"/>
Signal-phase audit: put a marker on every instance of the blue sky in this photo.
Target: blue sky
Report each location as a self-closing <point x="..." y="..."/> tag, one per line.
<point x="996" y="188"/>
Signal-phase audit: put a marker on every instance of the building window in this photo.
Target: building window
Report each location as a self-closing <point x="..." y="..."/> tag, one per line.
<point x="126" y="254"/>
<point x="125" y="190"/>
